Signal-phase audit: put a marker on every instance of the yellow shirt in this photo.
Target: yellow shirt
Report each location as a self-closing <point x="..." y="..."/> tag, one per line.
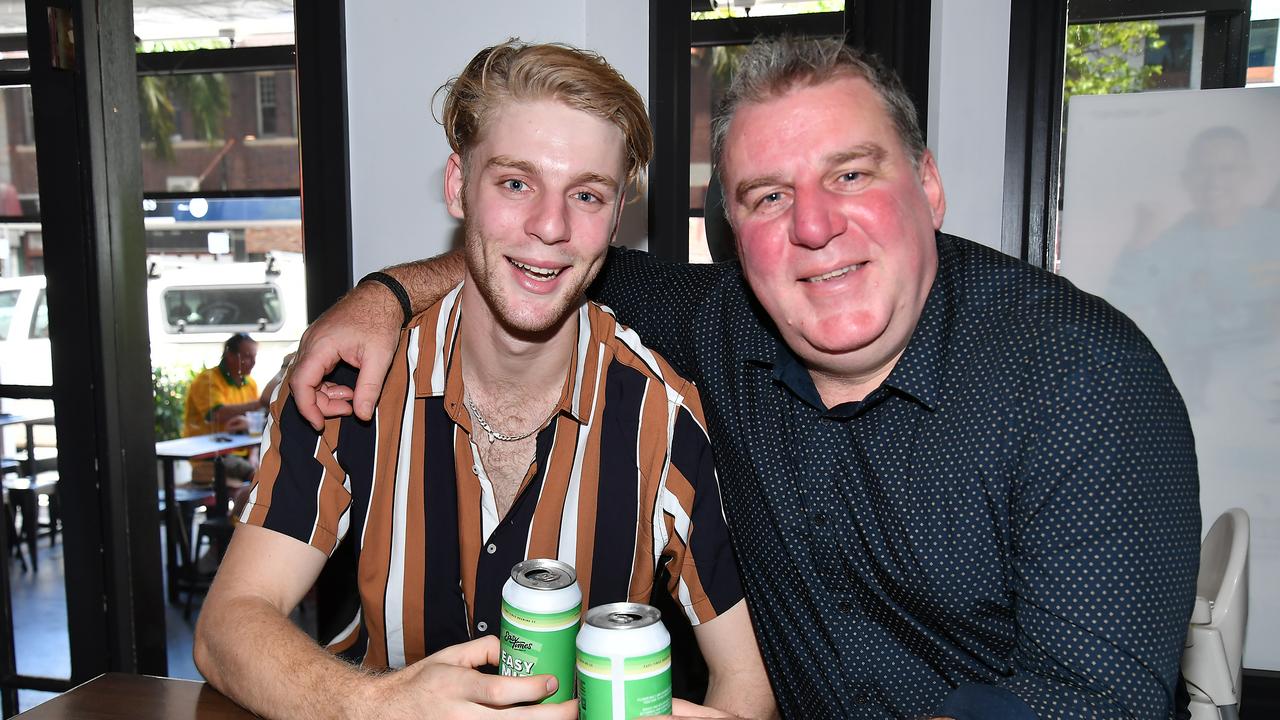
<point x="209" y="391"/>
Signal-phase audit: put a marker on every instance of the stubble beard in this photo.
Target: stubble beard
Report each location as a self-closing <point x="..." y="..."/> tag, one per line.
<point x="485" y="276"/>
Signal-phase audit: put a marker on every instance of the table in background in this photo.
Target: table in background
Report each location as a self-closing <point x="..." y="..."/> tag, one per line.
<point x="138" y="697"/>
<point x="197" y="447"/>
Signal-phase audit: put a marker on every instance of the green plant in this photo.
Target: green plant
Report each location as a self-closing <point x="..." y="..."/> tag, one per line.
<point x="169" y="389"/>
<point x="1106" y="58"/>
<point x="204" y="95"/>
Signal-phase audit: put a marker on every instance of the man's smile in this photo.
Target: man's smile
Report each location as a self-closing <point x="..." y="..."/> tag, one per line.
<point x="838" y="272"/>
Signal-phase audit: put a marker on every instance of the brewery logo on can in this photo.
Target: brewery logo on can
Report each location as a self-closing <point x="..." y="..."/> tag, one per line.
<point x="624" y="663"/>
<point x="541" y="606"/>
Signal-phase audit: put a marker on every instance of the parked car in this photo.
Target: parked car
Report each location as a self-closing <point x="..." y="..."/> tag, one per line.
<point x="192" y="308"/>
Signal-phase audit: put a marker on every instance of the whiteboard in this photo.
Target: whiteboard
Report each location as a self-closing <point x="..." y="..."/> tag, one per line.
<point x="1171" y="211"/>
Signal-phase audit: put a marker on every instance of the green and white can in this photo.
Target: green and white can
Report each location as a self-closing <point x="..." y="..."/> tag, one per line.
<point x="624" y="663"/>
<point x="541" y="607"/>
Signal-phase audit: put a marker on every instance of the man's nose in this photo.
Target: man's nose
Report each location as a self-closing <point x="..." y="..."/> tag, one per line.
<point x="816" y="217"/>
<point x="550" y="220"/>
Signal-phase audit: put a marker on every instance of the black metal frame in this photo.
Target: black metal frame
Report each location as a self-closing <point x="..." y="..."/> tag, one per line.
<point x="1037" y="55"/>
<point x="326" y="175"/>
<point x="670" y="35"/>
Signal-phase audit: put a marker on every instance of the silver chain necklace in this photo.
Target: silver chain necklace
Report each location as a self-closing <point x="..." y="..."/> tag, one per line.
<point x="494" y="434"/>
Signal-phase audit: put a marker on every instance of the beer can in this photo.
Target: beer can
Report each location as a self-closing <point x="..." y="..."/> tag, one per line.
<point x="624" y="663"/>
<point x="541" y="607"/>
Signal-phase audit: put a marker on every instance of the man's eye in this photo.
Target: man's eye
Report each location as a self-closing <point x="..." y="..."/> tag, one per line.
<point x="515" y="185"/>
<point x="769" y="199"/>
<point x="852" y="176"/>
<point x="586" y="197"/>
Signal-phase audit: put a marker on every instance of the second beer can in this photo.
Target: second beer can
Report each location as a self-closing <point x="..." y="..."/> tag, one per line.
<point x="624" y="663"/>
<point x="541" y="607"/>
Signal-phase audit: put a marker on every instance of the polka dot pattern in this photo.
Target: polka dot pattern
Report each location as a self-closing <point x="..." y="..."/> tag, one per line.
<point x="1017" y="505"/>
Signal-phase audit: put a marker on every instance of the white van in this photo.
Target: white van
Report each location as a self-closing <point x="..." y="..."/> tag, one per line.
<point x="192" y="308"/>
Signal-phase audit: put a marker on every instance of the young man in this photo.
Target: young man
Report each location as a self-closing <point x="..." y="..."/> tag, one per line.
<point x="958" y="485"/>
<point x="518" y="422"/>
<point x="218" y="400"/>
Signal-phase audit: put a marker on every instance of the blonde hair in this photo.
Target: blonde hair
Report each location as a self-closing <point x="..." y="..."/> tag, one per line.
<point x="517" y="71"/>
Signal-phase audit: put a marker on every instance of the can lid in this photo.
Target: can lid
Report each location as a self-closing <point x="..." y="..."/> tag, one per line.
<point x="623" y="616"/>
<point x="543" y="574"/>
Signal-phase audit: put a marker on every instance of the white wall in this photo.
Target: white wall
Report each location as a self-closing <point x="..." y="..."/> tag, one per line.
<point x="968" y="97"/>
<point x="398" y="53"/>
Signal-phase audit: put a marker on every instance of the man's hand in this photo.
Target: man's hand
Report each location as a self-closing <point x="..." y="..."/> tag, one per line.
<point x="362" y="330"/>
<point x="447" y="685"/>
<point x="237" y="424"/>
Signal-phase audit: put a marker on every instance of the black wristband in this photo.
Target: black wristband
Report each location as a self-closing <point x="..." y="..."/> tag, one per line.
<point x="396" y="289"/>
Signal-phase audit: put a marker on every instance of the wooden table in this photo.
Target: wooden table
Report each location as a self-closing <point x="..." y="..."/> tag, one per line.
<point x="197" y="447"/>
<point x="138" y="697"/>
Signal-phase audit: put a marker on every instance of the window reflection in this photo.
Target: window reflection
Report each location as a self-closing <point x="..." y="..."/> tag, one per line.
<point x="218" y="131"/>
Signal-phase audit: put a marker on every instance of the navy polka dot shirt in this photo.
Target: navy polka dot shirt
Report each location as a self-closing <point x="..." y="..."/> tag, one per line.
<point x="1010" y="521"/>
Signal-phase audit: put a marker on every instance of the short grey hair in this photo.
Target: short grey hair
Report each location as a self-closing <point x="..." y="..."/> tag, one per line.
<point x="771" y="68"/>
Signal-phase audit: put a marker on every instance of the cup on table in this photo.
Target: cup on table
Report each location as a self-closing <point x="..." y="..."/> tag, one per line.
<point x="257" y="421"/>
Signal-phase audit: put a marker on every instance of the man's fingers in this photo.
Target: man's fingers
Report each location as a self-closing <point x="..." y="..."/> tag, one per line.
<point x="374" y="363"/>
<point x="502" y="691"/>
<point x="306" y="376"/>
<point x="472" y="654"/>
<point x="331" y="408"/>
<point x="334" y="391"/>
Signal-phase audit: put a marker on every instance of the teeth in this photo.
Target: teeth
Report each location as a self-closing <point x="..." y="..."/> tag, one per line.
<point x="834" y="273"/>
<point x="537" y="273"/>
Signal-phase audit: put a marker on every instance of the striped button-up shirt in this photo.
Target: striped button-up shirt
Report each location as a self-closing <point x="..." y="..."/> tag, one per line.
<point x="622" y="478"/>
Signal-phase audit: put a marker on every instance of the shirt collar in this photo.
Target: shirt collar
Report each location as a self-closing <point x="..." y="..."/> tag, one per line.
<point x="438" y="375"/>
<point x="918" y="373"/>
<point x="226" y="375"/>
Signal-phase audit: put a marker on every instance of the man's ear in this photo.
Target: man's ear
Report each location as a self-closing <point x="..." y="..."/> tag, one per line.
<point x="931" y="182"/>
<point x="453" y="182"/>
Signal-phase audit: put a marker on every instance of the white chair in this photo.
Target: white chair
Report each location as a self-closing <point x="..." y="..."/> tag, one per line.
<point x="1211" y="660"/>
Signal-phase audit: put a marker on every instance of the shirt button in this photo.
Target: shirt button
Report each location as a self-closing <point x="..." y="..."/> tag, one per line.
<point x="491" y="548"/>
<point x="862" y="698"/>
<point x="475" y="469"/>
<point x="482" y="626"/>
<point x="845" y="606"/>
<point x="819" y="518"/>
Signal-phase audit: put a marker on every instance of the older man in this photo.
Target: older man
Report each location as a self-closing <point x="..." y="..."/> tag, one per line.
<point x="958" y="486"/>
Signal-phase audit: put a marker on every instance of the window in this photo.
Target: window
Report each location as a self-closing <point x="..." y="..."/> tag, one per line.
<point x="223" y="309"/>
<point x="1263" y="36"/>
<point x="267" y="105"/>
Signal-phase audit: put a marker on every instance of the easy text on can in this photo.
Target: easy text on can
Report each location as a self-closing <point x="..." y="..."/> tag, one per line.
<point x="541" y="607"/>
